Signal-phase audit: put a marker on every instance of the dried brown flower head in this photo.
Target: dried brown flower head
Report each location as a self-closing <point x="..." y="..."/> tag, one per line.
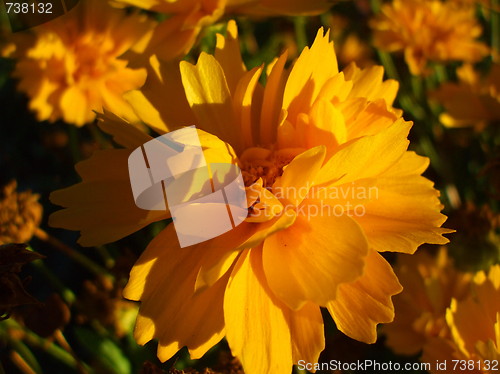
<point x="20" y="214"/>
<point x="12" y="292"/>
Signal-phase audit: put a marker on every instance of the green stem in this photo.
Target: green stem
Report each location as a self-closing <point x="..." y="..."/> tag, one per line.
<point x="67" y="295"/>
<point x="25" y="353"/>
<point x="388" y="62"/>
<point x="299" y="24"/>
<point x="73" y="254"/>
<point x="49" y="347"/>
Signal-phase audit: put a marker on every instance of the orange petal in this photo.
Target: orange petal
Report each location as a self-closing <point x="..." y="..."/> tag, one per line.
<point x="163" y="279"/>
<point x="405" y="211"/>
<point x="310" y="259"/>
<point x="366" y="302"/>
<point x="101" y="207"/>
<point x="257" y="329"/>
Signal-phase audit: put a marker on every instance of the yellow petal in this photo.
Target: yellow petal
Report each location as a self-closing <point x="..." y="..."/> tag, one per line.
<point x="257" y="329"/>
<point x="405" y="211"/>
<point x="150" y="104"/>
<point x="123" y="132"/>
<point x="306" y="328"/>
<point x="243" y="98"/>
<point x="75" y="108"/>
<point x="163" y="278"/>
<point x="366" y="302"/>
<point x="221" y="251"/>
<point x="272" y="115"/>
<point x="209" y="97"/>
<point x="227" y="53"/>
<point x="369" y="83"/>
<point x="309" y="260"/>
<point x="311" y="71"/>
<point x="102" y="207"/>
<point x="299" y="175"/>
<point x="368" y="156"/>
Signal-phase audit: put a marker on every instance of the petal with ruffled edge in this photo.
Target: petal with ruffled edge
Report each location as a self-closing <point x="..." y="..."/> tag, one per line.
<point x="403" y="213"/>
<point x="362" y="304"/>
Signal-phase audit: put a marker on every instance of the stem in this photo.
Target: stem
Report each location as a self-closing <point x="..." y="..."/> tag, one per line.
<point x="47" y="346"/>
<point x="67" y="295"/>
<point x="64" y="344"/>
<point x="389" y="67"/>
<point x="21" y="363"/>
<point x="24" y="354"/>
<point x="74" y="255"/>
<point x="299" y="24"/>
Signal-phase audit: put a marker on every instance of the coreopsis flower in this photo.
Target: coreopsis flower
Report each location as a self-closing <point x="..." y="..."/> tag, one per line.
<point x="473" y="101"/>
<point x="20" y="214"/>
<point x="475" y="328"/>
<point x="429" y="283"/>
<point x="428" y="30"/>
<point x="72" y="66"/>
<point x="330" y="184"/>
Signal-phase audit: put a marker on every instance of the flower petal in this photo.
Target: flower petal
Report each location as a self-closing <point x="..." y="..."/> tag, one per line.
<point x="368" y="156"/>
<point x="102" y="207"/>
<point x="311" y="70"/>
<point x="257" y="329"/>
<point x="299" y="175"/>
<point x="308" y="338"/>
<point x="163" y="279"/>
<point x="209" y="97"/>
<point x="405" y="212"/>
<point x="309" y="260"/>
<point x="362" y="304"/>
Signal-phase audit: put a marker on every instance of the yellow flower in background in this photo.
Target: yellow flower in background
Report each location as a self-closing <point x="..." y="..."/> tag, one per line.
<point x="72" y="66"/>
<point x="175" y="36"/>
<point x="330" y="184"/>
<point x="475" y="327"/>
<point x="429" y="285"/>
<point x="473" y="101"/>
<point x="428" y="30"/>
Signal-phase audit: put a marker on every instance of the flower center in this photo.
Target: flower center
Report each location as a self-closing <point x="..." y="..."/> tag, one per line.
<point x="266" y="164"/>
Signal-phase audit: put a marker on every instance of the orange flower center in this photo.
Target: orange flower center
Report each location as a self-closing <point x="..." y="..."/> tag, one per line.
<point x="266" y="164"/>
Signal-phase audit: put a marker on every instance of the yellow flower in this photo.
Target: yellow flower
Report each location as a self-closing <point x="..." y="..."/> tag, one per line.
<point x="71" y="67"/>
<point x="429" y="286"/>
<point x="474" y="101"/>
<point x="330" y="184"/>
<point x="428" y="30"/>
<point x="175" y="36"/>
<point x="475" y="327"/>
<point x="20" y="214"/>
